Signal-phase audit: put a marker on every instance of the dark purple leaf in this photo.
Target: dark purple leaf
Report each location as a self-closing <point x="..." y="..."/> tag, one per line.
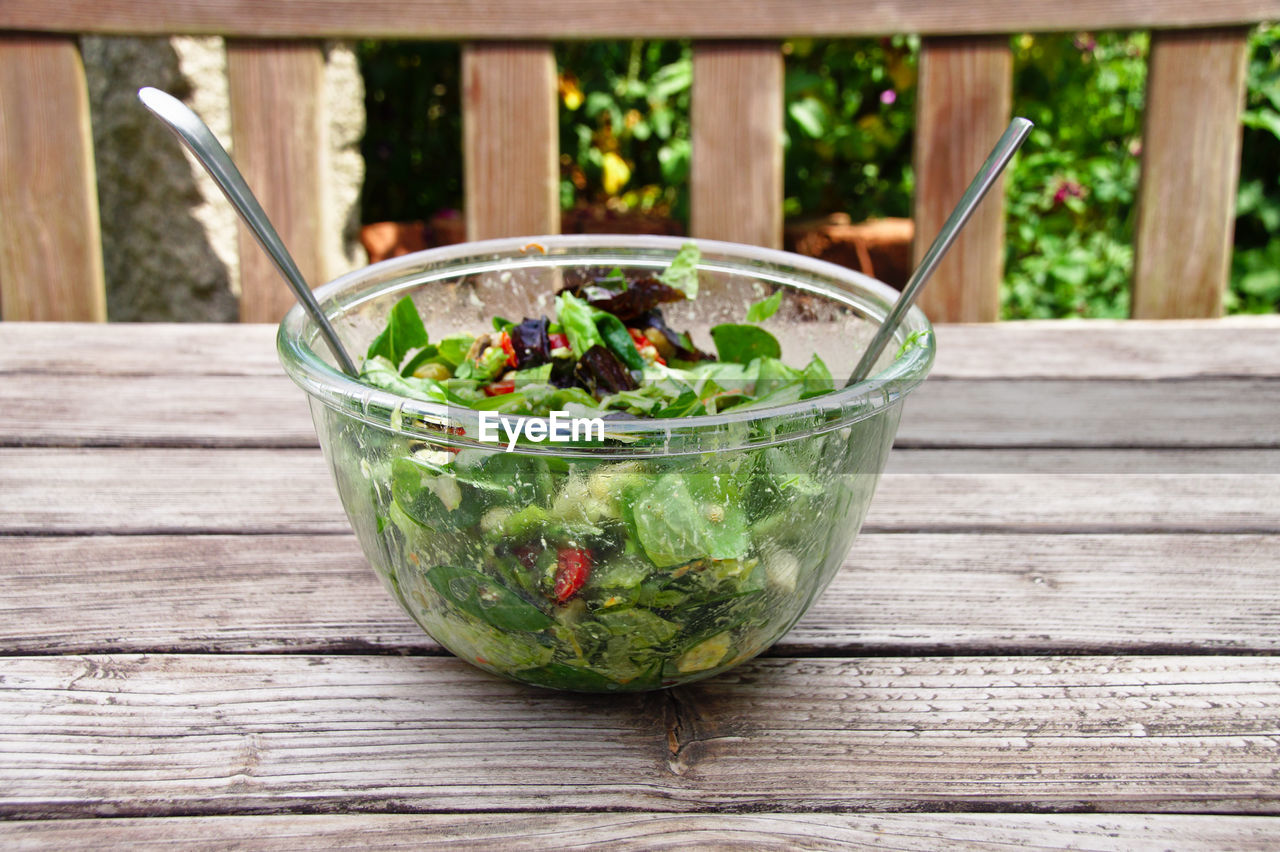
<point x="601" y="373"/>
<point x="529" y="340"/>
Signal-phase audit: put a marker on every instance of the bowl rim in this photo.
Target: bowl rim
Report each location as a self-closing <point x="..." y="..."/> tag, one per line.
<point x="390" y="411"/>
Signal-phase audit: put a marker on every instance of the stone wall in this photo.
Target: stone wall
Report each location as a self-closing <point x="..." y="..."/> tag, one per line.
<point x="169" y="237"/>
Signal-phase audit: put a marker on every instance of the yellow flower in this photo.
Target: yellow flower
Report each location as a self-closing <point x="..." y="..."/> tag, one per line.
<point x="616" y="173"/>
<point x="570" y="93"/>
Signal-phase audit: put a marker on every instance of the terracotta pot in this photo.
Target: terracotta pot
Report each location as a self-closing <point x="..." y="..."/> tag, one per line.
<point x="879" y="247"/>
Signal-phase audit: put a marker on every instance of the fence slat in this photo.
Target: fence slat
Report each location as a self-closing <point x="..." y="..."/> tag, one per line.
<point x="735" y="181"/>
<point x="279" y="143"/>
<point x="50" y="241"/>
<point x="579" y="19"/>
<point x="1190" y="165"/>
<point x="964" y="98"/>
<point x="511" y="140"/>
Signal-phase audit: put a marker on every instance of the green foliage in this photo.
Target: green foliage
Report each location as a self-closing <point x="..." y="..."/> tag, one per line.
<point x="850" y="110"/>
<point x="1070" y="194"/>
<point x="624" y="124"/>
<point x="1255" y="267"/>
<point x="849" y="115"/>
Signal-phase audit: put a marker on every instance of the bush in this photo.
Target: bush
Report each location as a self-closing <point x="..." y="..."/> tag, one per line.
<point x="850" y="110"/>
<point x="1255" y="266"/>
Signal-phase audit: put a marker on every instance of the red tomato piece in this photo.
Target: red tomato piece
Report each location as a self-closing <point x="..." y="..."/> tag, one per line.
<point x="498" y="388"/>
<point x="573" y="568"/>
<point x="510" y="349"/>
<point x="558" y="341"/>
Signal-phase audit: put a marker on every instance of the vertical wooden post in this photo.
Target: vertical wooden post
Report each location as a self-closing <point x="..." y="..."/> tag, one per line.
<point x="964" y="99"/>
<point x="511" y="140"/>
<point x="1190" y="165"/>
<point x="278" y="128"/>
<point x="735" y="180"/>
<point x="50" y="240"/>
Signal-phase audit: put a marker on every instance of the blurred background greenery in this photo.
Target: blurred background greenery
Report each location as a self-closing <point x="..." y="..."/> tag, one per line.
<point x="850" y="110"/>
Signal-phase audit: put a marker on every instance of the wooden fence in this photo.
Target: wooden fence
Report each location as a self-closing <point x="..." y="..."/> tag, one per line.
<point x="50" y="246"/>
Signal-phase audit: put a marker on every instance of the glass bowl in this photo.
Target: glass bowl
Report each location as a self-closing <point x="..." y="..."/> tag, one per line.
<point x="701" y="539"/>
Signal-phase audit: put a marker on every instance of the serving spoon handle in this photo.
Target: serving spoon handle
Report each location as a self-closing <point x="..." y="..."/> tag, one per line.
<point x="197" y="136"/>
<point x="982" y="182"/>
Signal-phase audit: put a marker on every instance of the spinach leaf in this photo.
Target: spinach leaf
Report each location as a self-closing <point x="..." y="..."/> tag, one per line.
<point x="578" y="320"/>
<point x="432" y="496"/>
<point x="685" y="405"/>
<point x="454" y="348"/>
<point x="379" y="372"/>
<point x="743" y="343"/>
<point x="618" y="339"/>
<point x="487" y="599"/>
<point x="682" y="274"/>
<point x="816" y="378"/>
<point x="570" y="677"/>
<point x="404" y="331"/>
<point x="422" y="356"/>
<point x="765" y="308"/>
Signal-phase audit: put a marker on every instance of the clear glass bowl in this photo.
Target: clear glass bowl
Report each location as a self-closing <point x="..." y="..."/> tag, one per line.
<point x="707" y="537"/>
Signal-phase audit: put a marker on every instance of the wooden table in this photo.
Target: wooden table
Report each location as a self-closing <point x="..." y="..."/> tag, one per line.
<point x="1060" y="626"/>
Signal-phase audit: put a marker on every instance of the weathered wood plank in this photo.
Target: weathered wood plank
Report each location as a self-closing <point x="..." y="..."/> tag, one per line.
<point x="277" y="120"/>
<point x="50" y="242"/>
<point x="215" y="411"/>
<point x="269" y="411"/>
<point x="1190" y="164"/>
<point x="649" y="830"/>
<point x="173" y="491"/>
<point x="897" y="594"/>
<point x="735" y="180"/>
<point x="200" y="735"/>
<point x="962" y="106"/>
<point x="140" y="349"/>
<point x="511" y="140"/>
<point x="1230" y="347"/>
<point x="1110" y="349"/>
<point x="518" y="19"/>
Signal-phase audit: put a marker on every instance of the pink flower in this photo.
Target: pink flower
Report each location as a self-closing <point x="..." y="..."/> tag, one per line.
<point x="1085" y="42"/>
<point x="1067" y="189"/>
<point x="888" y="96"/>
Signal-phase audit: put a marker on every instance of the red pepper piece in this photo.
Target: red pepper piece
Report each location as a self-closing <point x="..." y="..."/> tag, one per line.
<point x="573" y="568"/>
<point x="557" y="341"/>
<point x="498" y="388"/>
<point x="641" y="342"/>
<point x="510" y="350"/>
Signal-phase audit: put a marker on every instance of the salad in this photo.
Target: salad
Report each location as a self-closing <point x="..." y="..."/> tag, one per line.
<point x="599" y="574"/>
<point x="608" y="351"/>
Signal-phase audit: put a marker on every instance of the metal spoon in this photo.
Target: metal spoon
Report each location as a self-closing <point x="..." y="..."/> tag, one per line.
<point x="996" y="161"/>
<point x="197" y="136"/>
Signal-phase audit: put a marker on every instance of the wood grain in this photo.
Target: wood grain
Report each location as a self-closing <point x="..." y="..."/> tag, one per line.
<point x="649" y="830"/>
<point x="184" y="491"/>
<point x="962" y="106"/>
<point x="50" y="241"/>
<point x="139" y="349"/>
<point x="1190" y="166"/>
<point x="518" y="19"/>
<point x="1230" y="347"/>
<point x="735" y="179"/>
<point x="269" y="411"/>
<point x="278" y="123"/>
<point x="511" y="140"/>
<point x="900" y="594"/>
<point x="201" y="735"/>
